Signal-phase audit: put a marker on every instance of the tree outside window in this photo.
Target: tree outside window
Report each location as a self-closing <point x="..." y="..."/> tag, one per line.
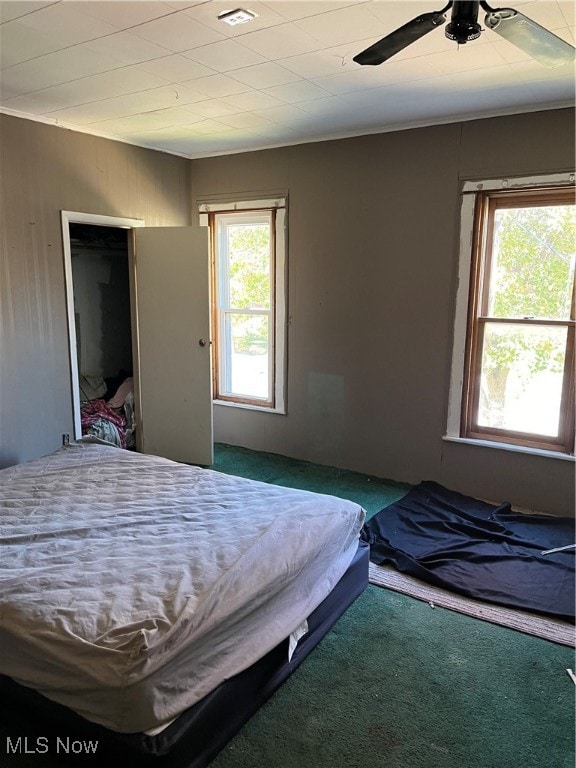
<point x="520" y="382"/>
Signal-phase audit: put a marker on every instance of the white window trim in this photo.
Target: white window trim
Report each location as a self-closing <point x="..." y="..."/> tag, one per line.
<point x="469" y="191"/>
<point x="280" y="204"/>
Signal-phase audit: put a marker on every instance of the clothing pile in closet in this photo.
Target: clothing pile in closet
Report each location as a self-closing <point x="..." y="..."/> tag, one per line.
<point x="107" y="408"/>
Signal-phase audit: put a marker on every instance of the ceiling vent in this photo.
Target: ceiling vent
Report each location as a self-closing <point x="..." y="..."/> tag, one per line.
<point x="239" y="16"/>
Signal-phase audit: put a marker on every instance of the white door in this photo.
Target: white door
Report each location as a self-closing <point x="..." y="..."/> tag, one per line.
<point x="172" y="343"/>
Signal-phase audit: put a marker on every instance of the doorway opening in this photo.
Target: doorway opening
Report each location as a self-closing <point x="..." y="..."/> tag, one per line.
<point x="101" y="317"/>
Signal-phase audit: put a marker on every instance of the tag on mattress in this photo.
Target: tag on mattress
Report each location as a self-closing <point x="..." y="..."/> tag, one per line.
<point x="295" y="637"/>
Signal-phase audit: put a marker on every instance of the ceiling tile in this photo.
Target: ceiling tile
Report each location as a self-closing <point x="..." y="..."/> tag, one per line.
<point x="319" y="63"/>
<point x="225" y="55"/>
<point x="176" y="118"/>
<point x="214" y="108"/>
<point x="175" y="68"/>
<point x="252" y="100"/>
<point x="280" y="41"/>
<point x="131" y="104"/>
<point x="353" y="80"/>
<point x="328" y="107"/>
<point x="469" y="57"/>
<point x="265" y="75"/>
<point x="343" y="26"/>
<point x="284" y="114"/>
<point x="20" y="43"/>
<point x="217" y="86"/>
<point x="210" y="126"/>
<point x="127" y="48"/>
<point x="169" y="134"/>
<point x="569" y="12"/>
<point x="181" y="5"/>
<point x="292" y="93"/>
<point x="406" y="71"/>
<point x="17" y="8"/>
<point x="87" y="89"/>
<point x="394" y="15"/>
<point x="121" y="13"/>
<point x="177" y="32"/>
<point x="300" y="10"/>
<point x="67" y="25"/>
<point x="56" y="68"/>
<point x="548" y="14"/>
<point x="245" y="120"/>
<point x="147" y="121"/>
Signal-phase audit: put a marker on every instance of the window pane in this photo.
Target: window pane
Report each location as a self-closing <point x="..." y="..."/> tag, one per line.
<point x="249" y="265"/>
<point x="533" y="255"/>
<point x="521" y="380"/>
<point x="249" y="355"/>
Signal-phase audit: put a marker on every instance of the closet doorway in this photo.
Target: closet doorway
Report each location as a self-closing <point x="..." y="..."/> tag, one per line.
<point x="103" y="325"/>
<point x="138" y="306"/>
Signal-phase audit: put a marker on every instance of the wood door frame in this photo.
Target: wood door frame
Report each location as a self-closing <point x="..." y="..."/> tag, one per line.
<point x="74" y="217"/>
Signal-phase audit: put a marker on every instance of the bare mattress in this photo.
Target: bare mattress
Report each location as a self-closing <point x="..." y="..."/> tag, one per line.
<point x="132" y="586"/>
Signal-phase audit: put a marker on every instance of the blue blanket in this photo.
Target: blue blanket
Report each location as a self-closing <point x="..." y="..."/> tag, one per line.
<point x="484" y="551"/>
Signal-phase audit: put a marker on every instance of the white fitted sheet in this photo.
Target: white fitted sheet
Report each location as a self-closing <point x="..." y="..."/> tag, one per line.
<point x="132" y="586"/>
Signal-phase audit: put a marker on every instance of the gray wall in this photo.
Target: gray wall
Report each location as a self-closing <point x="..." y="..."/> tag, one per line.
<point x="373" y="225"/>
<point x="373" y="230"/>
<point x="44" y="170"/>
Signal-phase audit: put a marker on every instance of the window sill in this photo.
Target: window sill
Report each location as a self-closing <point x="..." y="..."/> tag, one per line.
<point x="248" y="407"/>
<point x="510" y="447"/>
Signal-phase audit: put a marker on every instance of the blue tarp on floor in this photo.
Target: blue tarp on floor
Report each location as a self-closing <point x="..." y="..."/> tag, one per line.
<point x="487" y="552"/>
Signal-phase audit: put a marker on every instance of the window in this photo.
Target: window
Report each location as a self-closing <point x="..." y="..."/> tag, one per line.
<point x="249" y="302"/>
<point x="518" y="375"/>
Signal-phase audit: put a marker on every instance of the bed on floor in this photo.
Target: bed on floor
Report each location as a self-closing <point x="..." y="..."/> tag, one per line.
<point x="154" y="605"/>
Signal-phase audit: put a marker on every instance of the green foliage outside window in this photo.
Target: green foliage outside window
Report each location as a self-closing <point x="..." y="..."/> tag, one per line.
<point x="249" y="270"/>
<point x="532" y="276"/>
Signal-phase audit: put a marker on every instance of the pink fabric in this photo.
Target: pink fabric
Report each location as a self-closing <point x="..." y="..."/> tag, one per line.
<point x="99" y="409"/>
<point x="123" y="390"/>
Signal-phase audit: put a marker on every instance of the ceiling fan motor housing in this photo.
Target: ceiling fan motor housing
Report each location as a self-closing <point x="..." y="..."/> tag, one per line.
<point x="463" y="25"/>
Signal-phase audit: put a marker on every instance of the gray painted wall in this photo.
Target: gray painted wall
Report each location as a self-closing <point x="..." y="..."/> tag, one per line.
<point x="373" y="227"/>
<point x="43" y="170"/>
<point x="373" y="230"/>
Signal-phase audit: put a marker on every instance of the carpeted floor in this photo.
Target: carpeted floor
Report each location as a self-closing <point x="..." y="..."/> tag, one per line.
<point x="372" y="493"/>
<point x="540" y="626"/>
<point x="396" y="684"/>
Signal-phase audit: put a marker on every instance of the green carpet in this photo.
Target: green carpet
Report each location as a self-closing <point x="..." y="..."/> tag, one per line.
<point x="396" y="683"/>
<point x="372" y="493"/>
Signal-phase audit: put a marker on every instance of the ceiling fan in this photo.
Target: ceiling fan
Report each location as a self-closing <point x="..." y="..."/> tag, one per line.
<point x="543" y="45"/>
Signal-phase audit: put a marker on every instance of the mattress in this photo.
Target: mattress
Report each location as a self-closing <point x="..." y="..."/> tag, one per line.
<point x="199" y="733"/>
<point x="132" y="586"/>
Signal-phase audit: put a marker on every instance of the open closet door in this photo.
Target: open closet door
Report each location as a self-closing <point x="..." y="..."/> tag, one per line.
<point x="174" y="381"/>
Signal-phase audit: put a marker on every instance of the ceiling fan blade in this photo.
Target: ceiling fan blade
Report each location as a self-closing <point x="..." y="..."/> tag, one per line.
<point x="543" y="45"/>
<point x="401" y="38"/>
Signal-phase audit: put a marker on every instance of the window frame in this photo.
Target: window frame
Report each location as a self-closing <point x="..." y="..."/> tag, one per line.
<point x="276" y="208"/>
<point x="479" y="201"/>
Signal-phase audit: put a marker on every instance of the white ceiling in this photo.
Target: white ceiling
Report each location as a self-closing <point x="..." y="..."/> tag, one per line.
<point x="171" y="76"/>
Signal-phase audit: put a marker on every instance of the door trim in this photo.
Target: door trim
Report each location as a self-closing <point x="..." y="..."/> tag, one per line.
<point x="74" y="217"/>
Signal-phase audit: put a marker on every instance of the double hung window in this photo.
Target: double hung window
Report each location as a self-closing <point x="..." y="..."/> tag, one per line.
<point x="249" y="303"/>
<point x="518" y="372"/>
